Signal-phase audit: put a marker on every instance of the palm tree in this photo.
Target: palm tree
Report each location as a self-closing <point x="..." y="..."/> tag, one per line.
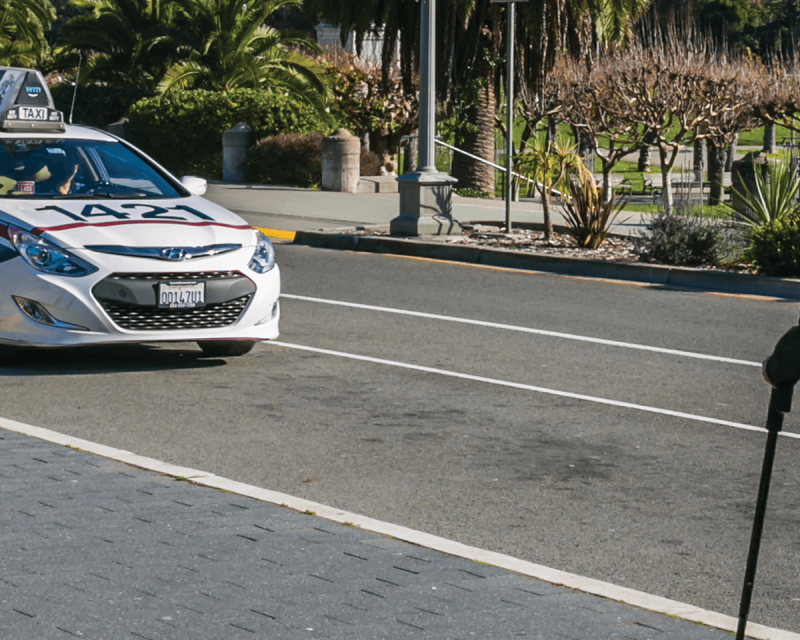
<point x="469" y="43"/>
<point x="22" y="27"/>
<point x="227" y="45"/>
<point x="130" y="43"/>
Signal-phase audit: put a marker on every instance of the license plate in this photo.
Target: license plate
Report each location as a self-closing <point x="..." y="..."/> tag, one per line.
<point x="33" y="113"/>
<point x="181" y="295"/>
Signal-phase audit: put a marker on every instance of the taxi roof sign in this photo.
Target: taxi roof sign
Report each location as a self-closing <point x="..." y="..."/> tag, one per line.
<point x="26" y="103"/>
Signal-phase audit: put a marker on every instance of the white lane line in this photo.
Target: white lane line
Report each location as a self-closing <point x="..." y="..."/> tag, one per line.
<point x="511" y="327"/>
<point x="608" y="590"/>
<point x="528" y="387"/>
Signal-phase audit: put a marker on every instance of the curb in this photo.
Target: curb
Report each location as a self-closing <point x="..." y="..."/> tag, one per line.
<point x="655" y="274"/>
<point x="626" y="595"/>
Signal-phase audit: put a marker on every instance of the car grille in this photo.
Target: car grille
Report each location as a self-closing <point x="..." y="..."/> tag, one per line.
<point x="155" y="319"/>
<point x="151" y="318"/>
<point x="155" y="277"/>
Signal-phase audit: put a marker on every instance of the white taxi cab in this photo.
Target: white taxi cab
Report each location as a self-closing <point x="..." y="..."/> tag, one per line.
<point x="100" y="245"/>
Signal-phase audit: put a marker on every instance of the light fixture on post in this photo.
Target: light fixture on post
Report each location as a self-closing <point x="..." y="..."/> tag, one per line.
<point x="509" y="103"/>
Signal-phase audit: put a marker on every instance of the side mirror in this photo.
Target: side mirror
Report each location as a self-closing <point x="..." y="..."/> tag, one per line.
<point x="194" y="185"/>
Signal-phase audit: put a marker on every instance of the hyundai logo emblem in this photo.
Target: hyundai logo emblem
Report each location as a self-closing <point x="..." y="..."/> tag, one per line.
<point x="175" y="253"/>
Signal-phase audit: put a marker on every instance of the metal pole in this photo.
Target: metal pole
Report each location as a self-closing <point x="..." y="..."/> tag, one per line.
<point x="427" y="88"/>
<point x="780" y="402"/>
<point x="509" y="111"/>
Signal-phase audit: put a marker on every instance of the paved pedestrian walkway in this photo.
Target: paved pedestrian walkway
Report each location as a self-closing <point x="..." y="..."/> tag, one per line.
<point x="95" y="548"/>
<point x="292" y="209"/>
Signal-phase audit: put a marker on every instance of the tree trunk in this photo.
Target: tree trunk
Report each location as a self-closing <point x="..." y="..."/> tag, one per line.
<point x="699" y="159"/>
<point x="716" y="168"/>
<point x="730" y="157"/>
<point x="552" y="130"/>
<point x="471" y="173"/>
<point x="410" y="155"/>
<point x="644" y="152"/>
<point x="666" y="190"/>
<point x="769" y="137"/>
<point x="548" y="221"/>
<point x="585" y="147"/>
<point x="644" y="158"/>
<point x="606" y="182"/>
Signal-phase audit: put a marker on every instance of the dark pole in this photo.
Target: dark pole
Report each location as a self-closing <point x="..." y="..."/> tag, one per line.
<point x="509" y="104"/>
<point x="509" y="111"/>
<point x="780" y="402"/>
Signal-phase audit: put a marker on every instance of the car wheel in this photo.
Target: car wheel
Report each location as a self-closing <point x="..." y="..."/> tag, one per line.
<point x="226" y="348"/>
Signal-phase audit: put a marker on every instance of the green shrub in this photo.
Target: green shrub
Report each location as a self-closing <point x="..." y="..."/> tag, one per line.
<point x="369" y="163"/>
<point x="295" y="160"/>
<point x="682" y="238"/>
<point x="95" y="105"/>
<point x="290" y="159"/>
<point x="183" y="129"/>
<point x="775" y="247"/>
<point x="468" y="192"/>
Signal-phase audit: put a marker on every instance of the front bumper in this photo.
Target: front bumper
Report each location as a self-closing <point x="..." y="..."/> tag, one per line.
<point x="109" y="306"/>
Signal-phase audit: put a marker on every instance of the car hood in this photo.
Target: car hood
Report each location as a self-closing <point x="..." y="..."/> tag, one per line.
<point x="179" y="222"/>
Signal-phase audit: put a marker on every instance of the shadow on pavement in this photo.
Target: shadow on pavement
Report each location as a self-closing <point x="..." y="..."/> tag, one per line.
<point x="107" y="359"/>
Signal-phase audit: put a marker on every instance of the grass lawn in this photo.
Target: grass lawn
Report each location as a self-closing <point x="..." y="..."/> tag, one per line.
<point x="626" y="169"/>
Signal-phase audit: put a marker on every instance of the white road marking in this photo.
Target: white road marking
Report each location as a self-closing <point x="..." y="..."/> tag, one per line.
<point x="528" y="387"/>
<point x="510" y="327"/>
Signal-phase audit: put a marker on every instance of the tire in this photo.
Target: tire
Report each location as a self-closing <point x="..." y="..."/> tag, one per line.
<point x="226" y="348"/>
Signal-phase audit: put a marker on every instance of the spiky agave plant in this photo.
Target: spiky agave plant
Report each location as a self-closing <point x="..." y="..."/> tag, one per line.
<point x="774" y="197"/>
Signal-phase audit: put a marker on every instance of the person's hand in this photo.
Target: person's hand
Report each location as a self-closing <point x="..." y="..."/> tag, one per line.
<point x="64" y="187"/>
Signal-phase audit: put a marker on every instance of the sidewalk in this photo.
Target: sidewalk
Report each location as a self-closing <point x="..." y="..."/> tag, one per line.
<point x="294" y="209"/>
<point x="96" y="548"/>
<point x="317" y="218"/>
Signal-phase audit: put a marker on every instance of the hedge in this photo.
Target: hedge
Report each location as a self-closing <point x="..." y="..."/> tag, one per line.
<point x="182" y="130"/>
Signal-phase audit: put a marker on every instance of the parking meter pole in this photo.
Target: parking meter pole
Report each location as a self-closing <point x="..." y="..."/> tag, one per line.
<point x="780" y="402"/>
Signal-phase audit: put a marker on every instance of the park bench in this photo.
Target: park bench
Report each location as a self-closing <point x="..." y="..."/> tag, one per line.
<point x="655" y="185"/>
<point x="618" y="184"/>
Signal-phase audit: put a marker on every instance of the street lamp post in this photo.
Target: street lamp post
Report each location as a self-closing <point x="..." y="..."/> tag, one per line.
<point x="509" y="103"/>
<point x="425" y="193"/>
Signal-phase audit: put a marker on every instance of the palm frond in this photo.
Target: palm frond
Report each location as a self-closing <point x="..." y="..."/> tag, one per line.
<point x="182" y="76"/>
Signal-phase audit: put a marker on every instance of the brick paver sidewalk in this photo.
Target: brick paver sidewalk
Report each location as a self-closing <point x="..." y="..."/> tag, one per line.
<point x="93" y="548"/>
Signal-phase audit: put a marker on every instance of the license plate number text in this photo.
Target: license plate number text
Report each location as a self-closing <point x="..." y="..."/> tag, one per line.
<point x="181" y="295"/>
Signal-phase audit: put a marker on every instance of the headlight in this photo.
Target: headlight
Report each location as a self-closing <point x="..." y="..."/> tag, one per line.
<point x="264" y="257"/>
<point x="45" y="256"/>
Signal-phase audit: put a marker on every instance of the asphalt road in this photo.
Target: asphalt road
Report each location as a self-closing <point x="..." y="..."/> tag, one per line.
<point x="608" y="460"/>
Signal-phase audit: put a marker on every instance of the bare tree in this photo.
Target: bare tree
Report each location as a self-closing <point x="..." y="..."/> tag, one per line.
<point x="779" y="100"/>
<point x="597" y="106"/>
<point x="729" y="91"/>
<point x="541" y="102"/>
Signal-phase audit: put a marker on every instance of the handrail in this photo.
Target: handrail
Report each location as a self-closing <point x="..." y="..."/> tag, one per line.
<point x="478" y="158"/>
<point x="484" y="161"/>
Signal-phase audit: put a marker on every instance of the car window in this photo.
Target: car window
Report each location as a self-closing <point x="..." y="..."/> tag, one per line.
<point x="47" y="168"/>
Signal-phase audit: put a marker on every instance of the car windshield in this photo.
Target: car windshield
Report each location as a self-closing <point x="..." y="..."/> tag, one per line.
<point x="69" y="168"/>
